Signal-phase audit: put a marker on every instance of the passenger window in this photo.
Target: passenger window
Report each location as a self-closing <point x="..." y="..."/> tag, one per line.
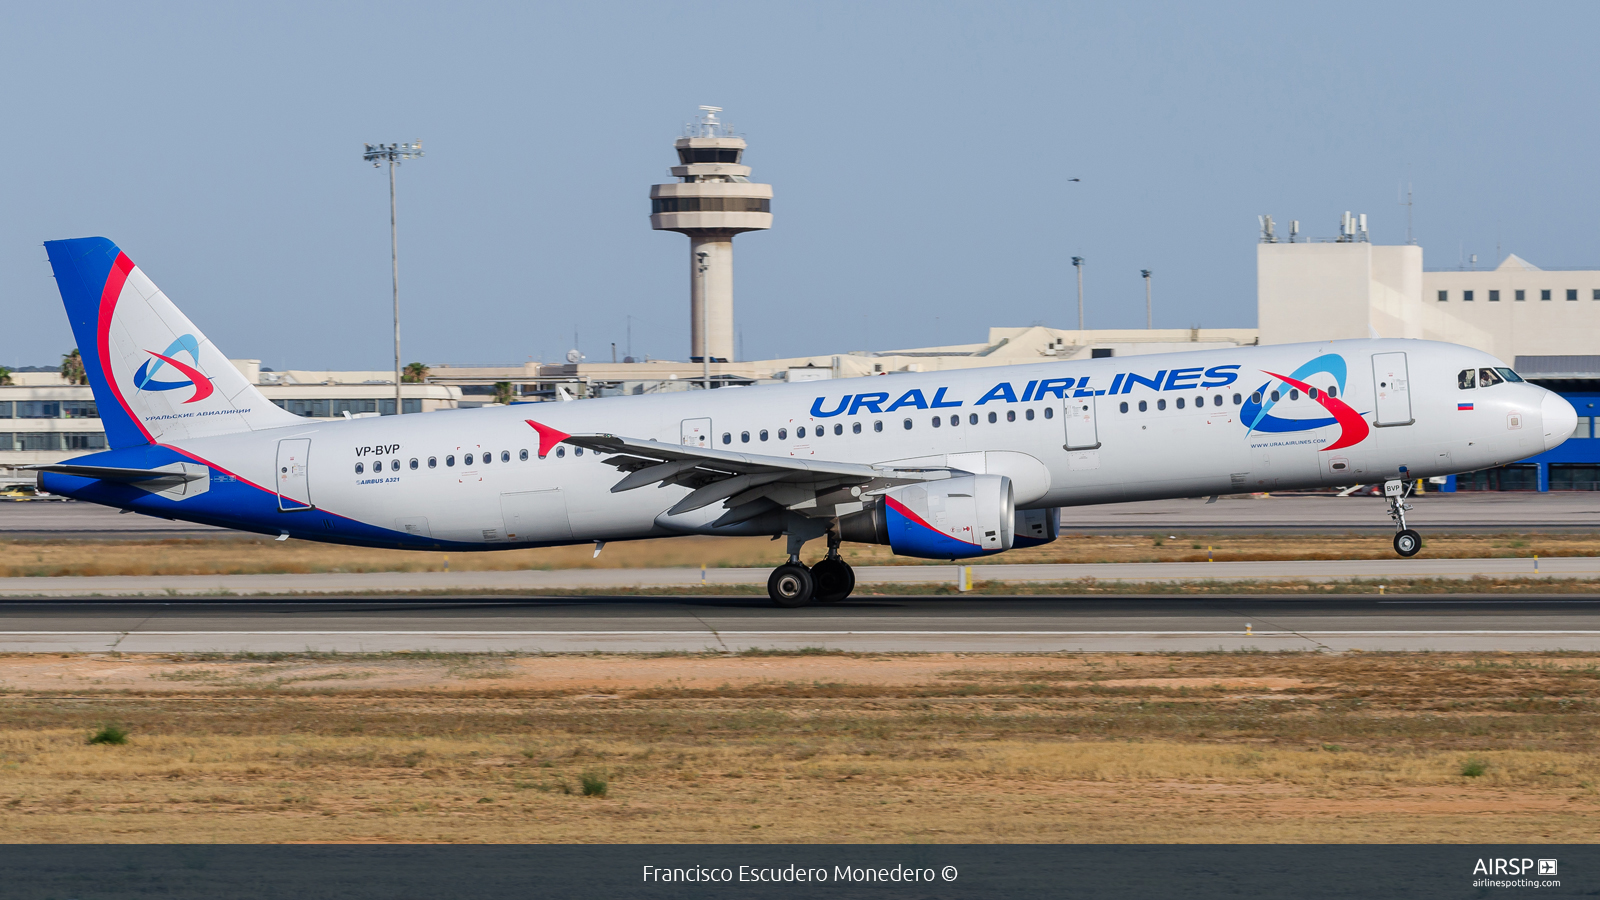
<point x="1124" y="406"/>
<point x="838" y="429"/>
<point x="1312" y="393"/>
<point x="954" y="421"/>
<point x="450" y="460"/>
<point x="1255" y="397"/>
<point x="522" y="455"/>
<point x="800" y="432"/>
<point x="1030" y="414"/>
<point x="505" y="456"/>
<point x="414" y="464"/>
<point x="1011" y="415"/>
<point x="972" y="419"/>
<point x="1467" y="379"/>
<point x="1294" y="393"/>
<point x="394" y="465"/>
<point x="877" y="426"/>
<point x="993" y="418"/>
<point x="1236" y="399"/>
<point x="433" y="462"/>
<point x="908" y="424"/>
<point x="1179" y="402"/>
<point x="487" y="458"/>
<point x="1333" y="391"/>
<point x="783" y="434"/>
<point x="1199" y="403"/>
<point x="1217" y="400"/>
<point x="763" y="434"/>
<point x="1049" y="412"/>
<point x="1487" y="377"/>
<point x="727" y="438"/>
<point x="1274" y="396"/>
<point x="360" y="468"/>
<point x="937" y="421"/>
<point x="744" y="437"/>
<point x="1143" y="406"/>
<point x="855" y="427"/>
<point x="561" y="452"/>
<point x="577" y="451"/>
<point x="1161" y="404"/>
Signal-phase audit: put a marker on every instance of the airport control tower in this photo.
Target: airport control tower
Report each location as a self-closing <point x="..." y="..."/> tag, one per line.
<point x="712" y="201"/>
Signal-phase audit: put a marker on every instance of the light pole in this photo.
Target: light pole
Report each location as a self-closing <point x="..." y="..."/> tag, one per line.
<point x="1077" y="263"/>
<point x="378" y="154"/>
<point x="1149" y="317"/>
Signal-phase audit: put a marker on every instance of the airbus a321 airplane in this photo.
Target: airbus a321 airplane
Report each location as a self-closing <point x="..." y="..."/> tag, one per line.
<point x="945" y="465"/>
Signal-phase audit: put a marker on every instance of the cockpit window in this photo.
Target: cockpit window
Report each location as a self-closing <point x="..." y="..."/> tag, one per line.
<point x="1487" y="377"/>
<point x="1467" y="379"/>
<point x="1509" y="375"/>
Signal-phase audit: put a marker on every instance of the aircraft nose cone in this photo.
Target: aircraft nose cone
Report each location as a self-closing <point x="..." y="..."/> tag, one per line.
<point x="1559" y="419"/>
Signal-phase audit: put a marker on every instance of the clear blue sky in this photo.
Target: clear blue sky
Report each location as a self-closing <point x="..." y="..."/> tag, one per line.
<point x="920" y="154"/>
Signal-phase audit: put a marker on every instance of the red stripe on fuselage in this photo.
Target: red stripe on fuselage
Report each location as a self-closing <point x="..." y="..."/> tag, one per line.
<point x="108" y="306"/>
<point x="1355" y="428"/>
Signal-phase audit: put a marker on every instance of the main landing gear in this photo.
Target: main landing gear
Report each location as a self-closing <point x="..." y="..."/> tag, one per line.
<point x="829" y="581"/>
<point x="1406" y="541"/>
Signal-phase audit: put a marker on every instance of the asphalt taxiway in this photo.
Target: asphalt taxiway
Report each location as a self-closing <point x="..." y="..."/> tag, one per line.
<point x="872" y="624"/>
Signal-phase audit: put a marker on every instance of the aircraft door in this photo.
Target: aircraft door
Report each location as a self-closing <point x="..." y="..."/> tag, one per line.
<point x="1391" y="384"/>
<point x="1082" y="433"/>
<point x="536" y="515"/>
<point x="696" y="433"/>
<point x="294" y="487"/>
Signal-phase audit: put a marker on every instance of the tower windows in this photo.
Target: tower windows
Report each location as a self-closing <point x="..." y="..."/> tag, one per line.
<point x="690" y="155"/>
<point x="710" y="204"/>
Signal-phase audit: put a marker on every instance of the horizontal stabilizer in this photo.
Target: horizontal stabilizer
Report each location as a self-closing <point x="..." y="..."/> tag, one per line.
<point x="114" y="473"/>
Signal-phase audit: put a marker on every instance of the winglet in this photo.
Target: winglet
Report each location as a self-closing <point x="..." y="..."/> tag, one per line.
<point x="548" y="437"/>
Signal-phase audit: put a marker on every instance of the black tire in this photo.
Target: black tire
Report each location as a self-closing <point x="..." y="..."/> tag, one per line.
<point x="835" y="580"/>
<point x="791" y="585"/>
<point x="1407" y="543"/>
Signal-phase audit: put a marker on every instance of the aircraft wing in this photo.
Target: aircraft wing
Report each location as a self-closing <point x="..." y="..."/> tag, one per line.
<point x="748" y="484"/>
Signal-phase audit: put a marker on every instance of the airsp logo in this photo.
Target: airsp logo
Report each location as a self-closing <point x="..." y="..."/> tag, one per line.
<point x="1500" y="866"/>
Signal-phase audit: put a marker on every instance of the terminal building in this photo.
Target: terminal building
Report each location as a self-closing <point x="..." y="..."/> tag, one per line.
<point x="1541" y="321"/>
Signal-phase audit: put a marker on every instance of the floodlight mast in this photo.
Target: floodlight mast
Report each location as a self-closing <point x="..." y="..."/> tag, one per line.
<point x="377" y="154"/>
<point x="1149" y="315"/>
<point x="1077" y="263"/>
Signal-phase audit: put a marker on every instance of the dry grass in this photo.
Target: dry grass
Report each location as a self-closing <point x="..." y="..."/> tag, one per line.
<point x="247" y="556"/>
<point x="809" y="747"/>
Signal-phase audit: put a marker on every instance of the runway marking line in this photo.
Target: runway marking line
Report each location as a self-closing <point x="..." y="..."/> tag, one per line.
<point x="753" y="633"/>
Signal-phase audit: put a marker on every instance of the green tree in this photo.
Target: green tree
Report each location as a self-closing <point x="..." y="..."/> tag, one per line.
<point x="72" y="367"/>
<point x="5" y="375"/>
<point x="414" y="373"/>
<point x="502" y="392"/>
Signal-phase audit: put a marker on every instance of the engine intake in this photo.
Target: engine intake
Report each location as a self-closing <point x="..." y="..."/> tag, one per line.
<point x="956" y="518"/>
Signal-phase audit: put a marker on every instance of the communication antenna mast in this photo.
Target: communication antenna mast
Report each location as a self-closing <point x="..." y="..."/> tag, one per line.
<point x="1294" y="229"/>
<point x="1407" y="204"/>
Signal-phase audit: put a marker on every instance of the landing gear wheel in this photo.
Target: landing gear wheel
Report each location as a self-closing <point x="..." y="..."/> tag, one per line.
<point x="1407" y="543"/>
<point x="791" y="585"/>
<point x="835" y="580"/>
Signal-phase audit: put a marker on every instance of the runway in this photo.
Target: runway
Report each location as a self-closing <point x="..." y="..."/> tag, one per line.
<point x="522" y="581"/>
<point x="724" y="624"/>
<point x="1288" y="514"/>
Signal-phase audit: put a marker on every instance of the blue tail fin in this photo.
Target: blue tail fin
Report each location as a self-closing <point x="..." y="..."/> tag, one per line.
<point x="155" y="376"/>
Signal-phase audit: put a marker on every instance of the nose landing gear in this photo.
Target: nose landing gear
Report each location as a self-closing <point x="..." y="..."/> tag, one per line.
<point x="1406" y="541"/>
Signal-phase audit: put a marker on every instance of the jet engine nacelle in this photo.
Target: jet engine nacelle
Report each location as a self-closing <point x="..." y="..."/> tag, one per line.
<point x="956" y="518"/>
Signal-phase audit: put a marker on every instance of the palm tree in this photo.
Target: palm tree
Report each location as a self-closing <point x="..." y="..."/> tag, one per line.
<point x="502" y="392"/>
<point x="415" y="373"/>
<point x="5" y="375"/>
<point x="72" y="368"/>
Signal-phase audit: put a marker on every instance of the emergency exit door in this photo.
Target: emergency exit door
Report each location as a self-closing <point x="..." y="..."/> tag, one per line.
<point x="1391" y="385"/>
<point x="1082" y="433"/>
<point x="294" y="486"/>
<point x="696" y="433"/>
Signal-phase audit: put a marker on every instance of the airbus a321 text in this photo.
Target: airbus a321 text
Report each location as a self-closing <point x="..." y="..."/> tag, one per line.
<point x="945" y="465"/>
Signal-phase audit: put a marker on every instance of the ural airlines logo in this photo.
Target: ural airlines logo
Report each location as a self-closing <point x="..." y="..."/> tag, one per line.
<point x="145" y="378"/>
<point x="1257" y="414"/>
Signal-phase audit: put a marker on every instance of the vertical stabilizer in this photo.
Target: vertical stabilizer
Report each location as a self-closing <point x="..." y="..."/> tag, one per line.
<point x="155" y="376"/>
